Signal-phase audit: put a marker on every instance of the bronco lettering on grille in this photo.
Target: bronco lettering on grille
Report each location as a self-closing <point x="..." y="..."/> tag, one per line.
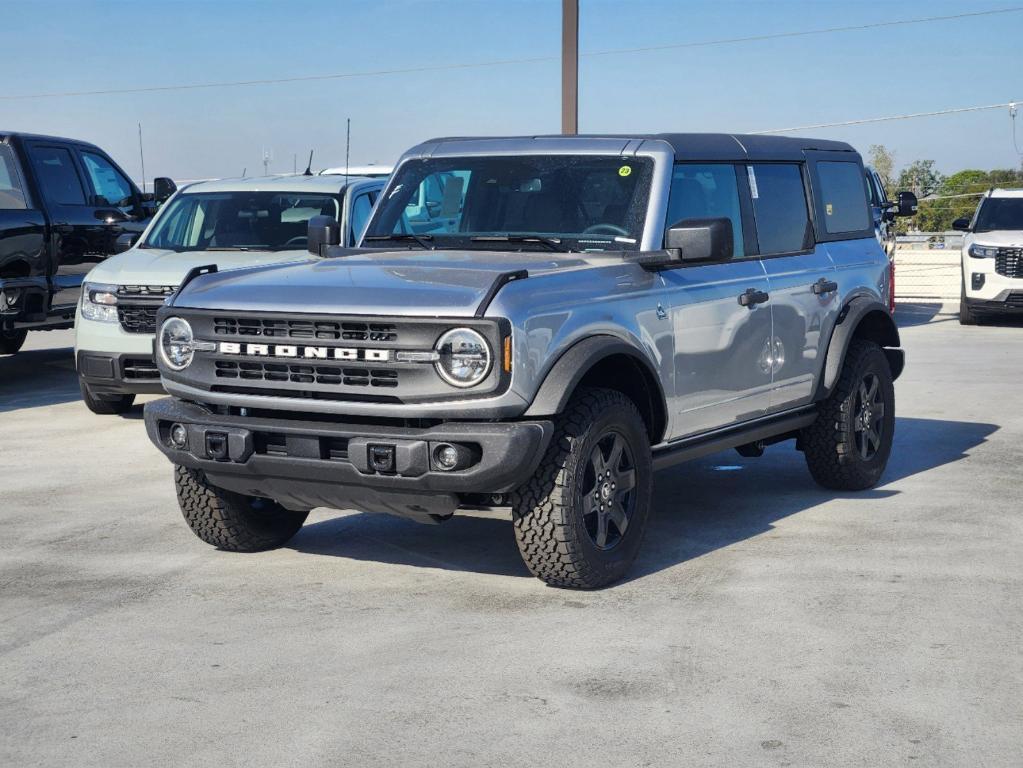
<point x="307" y="353"/>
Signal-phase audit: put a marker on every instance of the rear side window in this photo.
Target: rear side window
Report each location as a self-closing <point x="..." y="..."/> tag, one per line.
<point x="842" y="196"/>
<point x="12" y="191"/>
<point x="706" y="192"/>
<point x="57" y="175"/>
<point x="779" y="208"/>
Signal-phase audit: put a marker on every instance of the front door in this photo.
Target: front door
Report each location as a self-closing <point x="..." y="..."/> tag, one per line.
<point x="722" y="346"/>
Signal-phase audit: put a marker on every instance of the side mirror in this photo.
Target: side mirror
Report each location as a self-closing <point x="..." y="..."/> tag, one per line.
<point x="701" y="239"/>
<point x="323" y="231"/>
<point x="163" y="188"/>
<point x="961" y="224"/>
<point x="125" y="241"/>
<point x="906" y="204"/>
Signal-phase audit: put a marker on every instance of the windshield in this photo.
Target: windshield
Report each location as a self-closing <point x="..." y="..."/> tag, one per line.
<point x="517" y="202"/>
<point x="1000" y="213"/>
<point x="257" y="221"/>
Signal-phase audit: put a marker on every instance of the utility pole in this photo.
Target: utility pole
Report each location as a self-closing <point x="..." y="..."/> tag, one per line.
<point x="569" y="67"/>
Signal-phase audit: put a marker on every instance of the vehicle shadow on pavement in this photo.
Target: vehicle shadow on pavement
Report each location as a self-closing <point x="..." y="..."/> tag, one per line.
<point x="41" y="377"/>
<point x="38" y="377"/>
<point x="910" y="313"/>
<point x="699" y="507"/>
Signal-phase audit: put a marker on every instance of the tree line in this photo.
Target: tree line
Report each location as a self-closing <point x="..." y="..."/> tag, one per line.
<point x="943" y="199"/>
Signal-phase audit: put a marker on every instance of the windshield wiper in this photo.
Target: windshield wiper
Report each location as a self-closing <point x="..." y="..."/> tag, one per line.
<point x="422" y="240"/>
<point x="550" y="242"/>
<point x="229" y="248"/>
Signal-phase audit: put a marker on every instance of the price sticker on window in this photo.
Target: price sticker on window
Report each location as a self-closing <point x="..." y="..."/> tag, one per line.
<point x="752" y="182"/>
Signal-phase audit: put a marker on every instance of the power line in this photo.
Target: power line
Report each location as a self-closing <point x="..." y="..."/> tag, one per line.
<point x="887" y="118"/>
<point x="506" y="62"/>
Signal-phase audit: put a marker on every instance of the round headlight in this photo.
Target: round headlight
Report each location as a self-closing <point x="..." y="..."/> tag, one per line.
<point x="176" y="343"/>
<point x="464" y="357"/>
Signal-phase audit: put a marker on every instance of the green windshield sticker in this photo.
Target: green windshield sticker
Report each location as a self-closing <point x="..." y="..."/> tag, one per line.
<point x="625" y="170"/>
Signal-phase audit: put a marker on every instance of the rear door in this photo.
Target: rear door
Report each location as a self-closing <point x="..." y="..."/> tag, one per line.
<point x="801" y="277"/>
<point x="721" y="374"/>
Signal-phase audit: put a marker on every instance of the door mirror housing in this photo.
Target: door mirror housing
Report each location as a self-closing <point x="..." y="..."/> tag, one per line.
<point x="323" y="231"/>
<point x="700" y="240"/>
<point x="126" y="241"/>
<point x="906" y="204"/>
<point x="163" y="188"/>
<point x="961" y="224"/>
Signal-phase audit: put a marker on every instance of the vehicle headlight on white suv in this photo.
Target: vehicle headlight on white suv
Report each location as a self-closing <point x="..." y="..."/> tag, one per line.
<point x="177" y="344"/>
<point x="465" y="357"/>
<point x="983" y="251"/>
<point x="99" y="302"/>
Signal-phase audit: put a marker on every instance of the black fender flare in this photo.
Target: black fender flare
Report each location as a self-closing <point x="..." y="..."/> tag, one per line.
<point x="884" y="331"/>
<point x="566" y="373"/>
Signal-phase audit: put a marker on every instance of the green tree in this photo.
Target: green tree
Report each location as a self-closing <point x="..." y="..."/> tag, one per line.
<point x="920" y="178"/>
<point x="883" y="161"/>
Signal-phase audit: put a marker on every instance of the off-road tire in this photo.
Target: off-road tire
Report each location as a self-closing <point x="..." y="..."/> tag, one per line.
<point x="548" y="509"/>
<point x="232" y="521"/>
<point x="105" y="405"/>
<point x="967" y="316"/>
<point x="830" y="443"/>
<point x="11" y="341"/>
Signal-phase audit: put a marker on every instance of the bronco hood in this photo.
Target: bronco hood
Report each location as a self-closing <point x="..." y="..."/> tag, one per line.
<point x="418" y="283"/>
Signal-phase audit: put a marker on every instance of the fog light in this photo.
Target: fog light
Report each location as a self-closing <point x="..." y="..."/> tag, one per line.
<point x="179" y="435"/>
<point x="446" y="457"/>
<point x="977" y="280"/>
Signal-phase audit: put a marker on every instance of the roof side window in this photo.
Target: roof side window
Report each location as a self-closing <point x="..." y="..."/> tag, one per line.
<point x="57" y="175"/>
<point x="842" y="196"/>
<point x="12" y="191"/>
<point x="708" y="191"/>
<point x="779" y="207"/>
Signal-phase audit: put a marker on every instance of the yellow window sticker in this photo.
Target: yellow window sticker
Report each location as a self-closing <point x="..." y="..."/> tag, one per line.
<point x="625" y="170"/>
<point x="829" y="209"/>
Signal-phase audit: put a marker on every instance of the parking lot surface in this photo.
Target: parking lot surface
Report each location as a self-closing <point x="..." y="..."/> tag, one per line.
<point x="767" y="621"/>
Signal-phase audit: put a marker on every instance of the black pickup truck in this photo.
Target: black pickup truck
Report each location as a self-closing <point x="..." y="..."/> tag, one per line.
<point x="64" y="205"/>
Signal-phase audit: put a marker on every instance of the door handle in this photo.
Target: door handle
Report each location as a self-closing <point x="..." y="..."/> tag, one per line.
<point x="824" y="285"/>
<point x="751" y="297"/>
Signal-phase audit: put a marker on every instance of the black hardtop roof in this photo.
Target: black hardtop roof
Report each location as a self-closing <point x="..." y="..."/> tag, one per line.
<point x="38" y="136"/>
<point x="708" y="146"/>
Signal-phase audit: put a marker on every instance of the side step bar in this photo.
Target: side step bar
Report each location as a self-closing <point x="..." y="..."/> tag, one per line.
<point x="694" y="447"/>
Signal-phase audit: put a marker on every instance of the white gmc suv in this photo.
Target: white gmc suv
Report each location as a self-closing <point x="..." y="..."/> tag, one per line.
<point x="992" y="257"/>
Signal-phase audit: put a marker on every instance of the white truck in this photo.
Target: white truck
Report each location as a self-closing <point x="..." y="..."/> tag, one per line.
<point x="229" y="223"/>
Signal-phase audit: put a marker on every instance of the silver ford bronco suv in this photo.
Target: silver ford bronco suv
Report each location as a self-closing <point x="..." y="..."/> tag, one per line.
<point x="542" y="323"/>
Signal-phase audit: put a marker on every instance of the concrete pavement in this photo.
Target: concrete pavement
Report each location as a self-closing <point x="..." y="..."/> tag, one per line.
<point x="767" y="622"/>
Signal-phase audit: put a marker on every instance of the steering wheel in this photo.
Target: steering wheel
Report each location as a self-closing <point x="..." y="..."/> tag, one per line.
<point x="297" y="240"/>
<point x="606" y="229"/>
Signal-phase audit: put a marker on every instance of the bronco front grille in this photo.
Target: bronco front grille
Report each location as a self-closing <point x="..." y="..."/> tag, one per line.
<point x="138" y="318"/>
<point x="307" y="374"/>
<point x="305" y="329"/>
<point x="1009" y="262"/>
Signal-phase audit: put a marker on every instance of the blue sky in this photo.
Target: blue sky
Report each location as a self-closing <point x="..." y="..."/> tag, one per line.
<point x="93" y="44"/>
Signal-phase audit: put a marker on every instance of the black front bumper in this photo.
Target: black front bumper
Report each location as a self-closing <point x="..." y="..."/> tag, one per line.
<point x="305" y="464"/>
<point x="1011" y="303"/>
<point x="119" y="374"/>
